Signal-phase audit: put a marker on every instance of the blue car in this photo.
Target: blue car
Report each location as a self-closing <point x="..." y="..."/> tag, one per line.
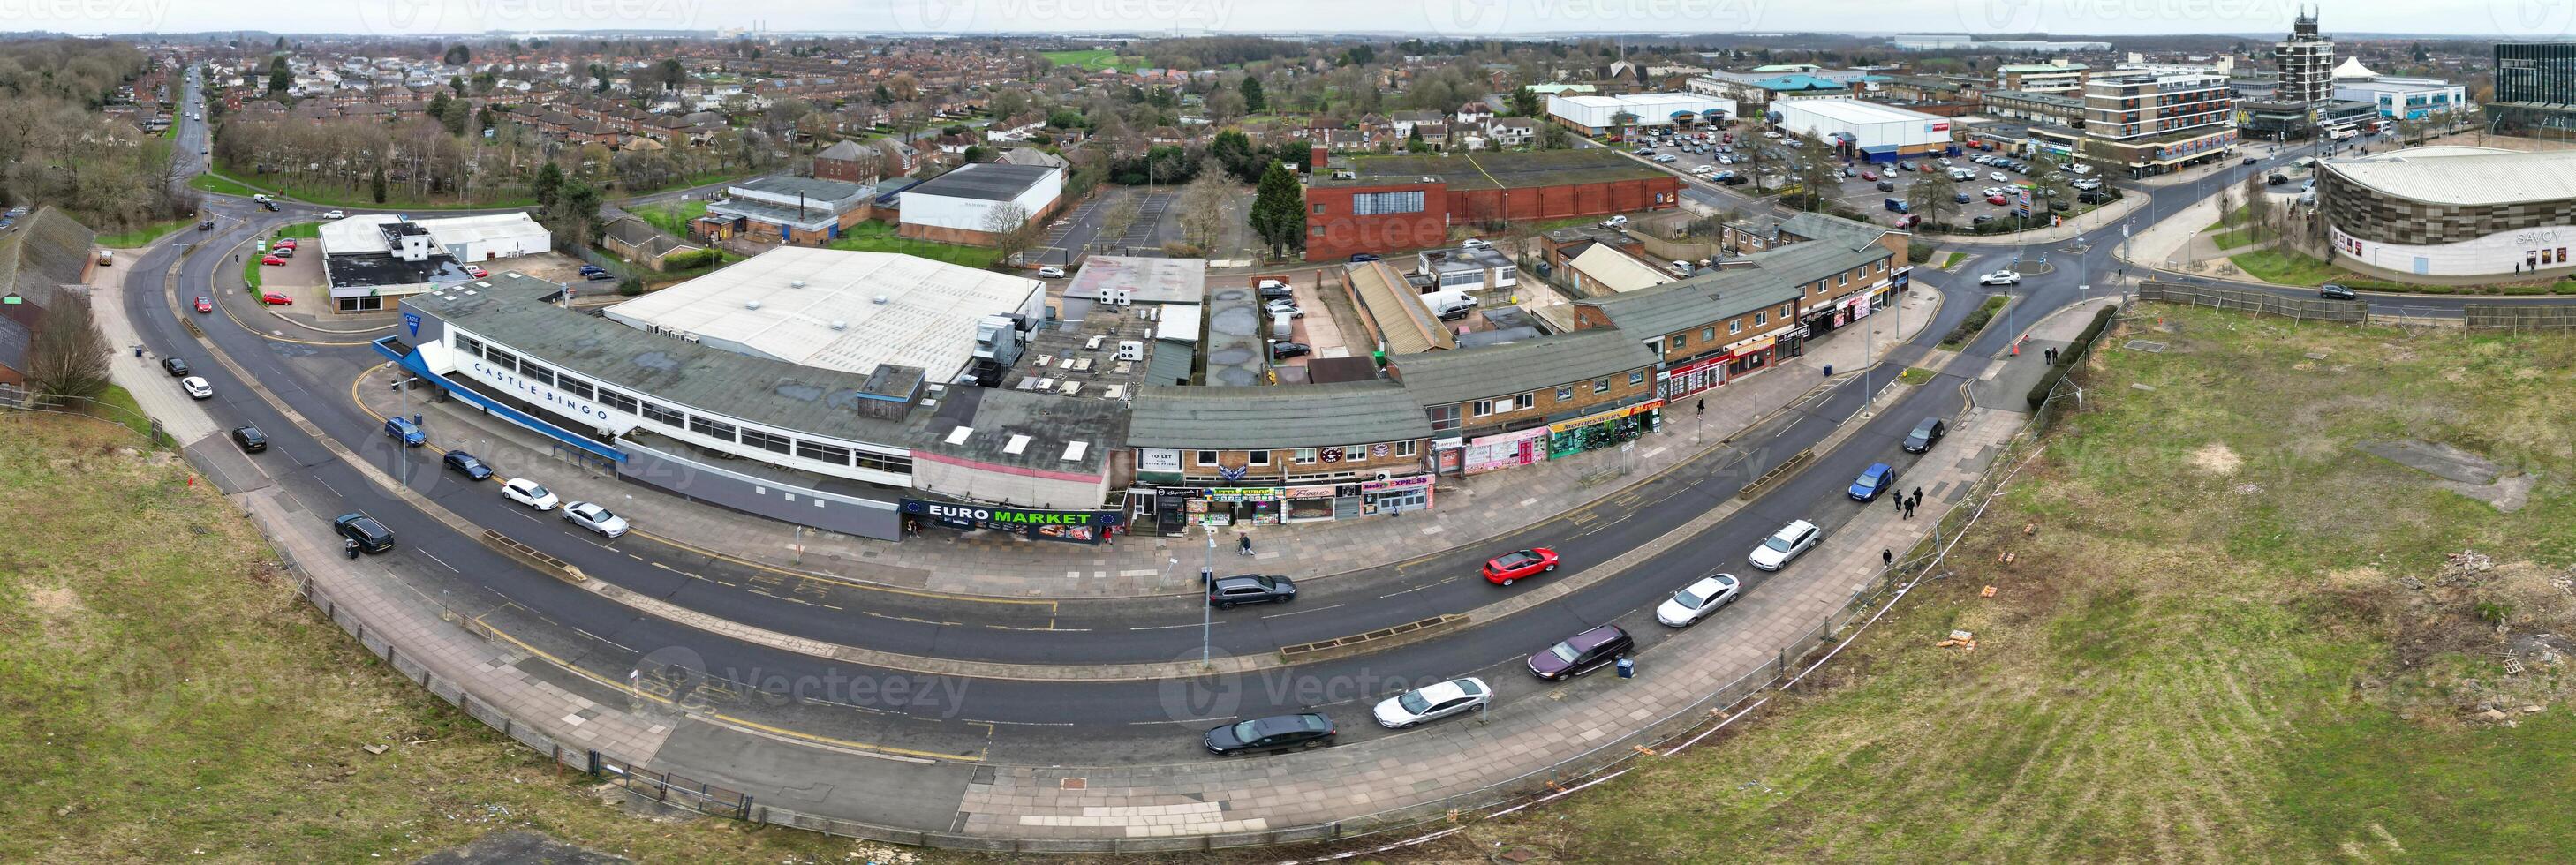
<point x="1878" y="477"/>
<point x="466" y="464"/>
<point x="406" y="431"/>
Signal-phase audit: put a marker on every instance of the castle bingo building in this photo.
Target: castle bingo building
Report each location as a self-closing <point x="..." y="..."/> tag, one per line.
<point x="2452" y="211"/>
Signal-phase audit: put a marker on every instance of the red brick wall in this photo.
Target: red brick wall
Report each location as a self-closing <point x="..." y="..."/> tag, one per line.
<point x="1343" y="234"/>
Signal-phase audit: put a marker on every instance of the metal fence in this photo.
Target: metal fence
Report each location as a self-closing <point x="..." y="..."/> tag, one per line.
<point x="2518" y="318"/>
<point x="2257" y="302"/>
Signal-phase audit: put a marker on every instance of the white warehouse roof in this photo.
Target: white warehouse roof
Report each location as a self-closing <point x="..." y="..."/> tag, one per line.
<point x="2464" y="175"/>
<point x="1853" y="111"/>
<point x="488" y="232"/>
<point x="853" y="312"/>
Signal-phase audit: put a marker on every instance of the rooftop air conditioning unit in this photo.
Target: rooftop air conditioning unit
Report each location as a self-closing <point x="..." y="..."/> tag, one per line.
<point x="795" y="283"/>
<point x="840" y="325"/>
<point x="1130" y="349"/>
<point x="880" y="300"/>
<point x="751" y="304"/>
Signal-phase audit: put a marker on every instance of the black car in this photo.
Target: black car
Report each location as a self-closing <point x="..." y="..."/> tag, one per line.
<point x="2090" y="196"/>
<point x="1732" y="180"/>
<point x="371" y="536"/>
<point x="2250" y="160"/>
<point x="1924" y="434"/>
<point x="1274" y="733"/>
<point x="1887" y="186"/>
<point x="1581" y="653"/>
<point x="205" y="225"/>
<point x="2276" y="180"/>
<point x="463" y="462"/>
<point x="1286" y="350"/>
<point x="2331" y="291"/>
<point x="250" y="439"/>
<point x="1358" y="257"/>
<point x="1982" y="219"/>
<point x="177" y="368"/>
<point x="1251" y="589"/>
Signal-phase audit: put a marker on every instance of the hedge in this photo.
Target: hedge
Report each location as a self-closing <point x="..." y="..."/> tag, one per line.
<point x="2067" y="357"/>
<point x="1976" y="321"/>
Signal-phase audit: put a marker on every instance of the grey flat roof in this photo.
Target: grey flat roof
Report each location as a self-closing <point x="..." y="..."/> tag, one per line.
<point x="1253" y="418"/>
<point x="819" y="190"/>
<point x="1237" y="347"/>
<point x="1698" y="301"/>
<point x="989" y="181"/>
<point x="1465" y="374"/>
<point x="774" y="393"/>
<point x="1148" y="280"/>
<point x="2464" y="175"/>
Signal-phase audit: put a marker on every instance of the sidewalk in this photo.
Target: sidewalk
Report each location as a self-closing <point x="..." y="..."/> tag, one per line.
<point x="991" y="564"/>
<point x="156" y="390"/>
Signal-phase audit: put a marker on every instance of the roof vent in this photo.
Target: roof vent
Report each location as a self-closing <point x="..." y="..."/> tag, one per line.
<point x="795" y="283"/>
<point x="880" y="300"/>
<point x="838" y="324"/>
<point x="1017" y="444"/>
<point x="751" y="304"/>
<point x="958" y="436"/>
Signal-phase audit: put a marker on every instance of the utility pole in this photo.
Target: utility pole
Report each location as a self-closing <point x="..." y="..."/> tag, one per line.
<point x="1207" y="580"/>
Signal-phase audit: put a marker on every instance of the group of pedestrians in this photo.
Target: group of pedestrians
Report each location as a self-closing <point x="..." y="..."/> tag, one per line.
<point x="1905" y="504"/>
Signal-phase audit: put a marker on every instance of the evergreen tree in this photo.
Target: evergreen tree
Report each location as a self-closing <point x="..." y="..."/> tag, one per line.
<point x="459" y="55"/>
<point x="549" y="181"/>
<point x="1253" y="101"/>
<point x="1279" y="211"/>
<point x="376" y="184"/>
<point x="279" y="78"/>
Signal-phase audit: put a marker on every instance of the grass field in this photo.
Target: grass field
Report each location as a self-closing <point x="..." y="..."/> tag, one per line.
<point x="137" y="237"/>
<point x="880" y="237"/>
<point x="1095" y="58"/>
<point x="221" y="185"/>
<point x="1953" y="260"/>
<point x="2226" y="635"/>
<point x="671" y="217"/>
<point x="396" y="197"/>
<point x="169" y="698"/>
<point x="2284" y="267"/>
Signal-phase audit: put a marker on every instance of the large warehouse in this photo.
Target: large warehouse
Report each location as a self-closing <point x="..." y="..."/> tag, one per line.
<point x="958" y="207"/>
<point x="2452" y="211"/>
<point x="1380" y="204"/>
<point x="1591" y="115"/>
<point x="1866" y="131"/>
<point x="371" y="257"/>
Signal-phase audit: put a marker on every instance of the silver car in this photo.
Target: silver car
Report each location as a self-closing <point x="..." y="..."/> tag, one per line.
<point x="590" y="515"/>
<point x="1697" y="600"/>
<point x="1776" y="551"/>
<point x="1433" y="702"/>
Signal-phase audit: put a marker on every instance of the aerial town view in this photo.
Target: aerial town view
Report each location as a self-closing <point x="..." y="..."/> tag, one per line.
<point x="1185" y="431"/>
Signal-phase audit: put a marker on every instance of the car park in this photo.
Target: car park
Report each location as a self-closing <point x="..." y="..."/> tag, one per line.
<point x="197" y="388"/>
<point x="1286" y="350"/>
<point x="250" y="439"/>
<point x="1699" y="599"/>
<point x="1776" y="551"/>
<point x="1226" y="592"/>
<point x="1872" y="481"/>
<point x="1512" y="567"/>
<point x="465" y="464"/>
<point x="176" y="367"/>
<point x="1581" y="653"/>
<point x="405" y="431"/>
<point x="590" y="515"/>
<point x="1920" y="439"/>
<point x="2000" y="277"/>
<point x="528" y="492"/>
<point x="1274" y="733"/>
<point x="1050" y="272"/>
<point x="370" y="535"/>
<point x="1433" y="702"/>
<point x="2332" y="291"/>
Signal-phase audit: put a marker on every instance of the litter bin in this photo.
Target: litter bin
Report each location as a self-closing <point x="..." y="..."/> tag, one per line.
<point x="1627" y="667"/>
<point x="1829" y="370"/>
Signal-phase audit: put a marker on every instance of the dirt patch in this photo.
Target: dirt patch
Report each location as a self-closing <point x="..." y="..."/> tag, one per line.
<point x="2476" y="642"/>
<point x="2461" y="471"/>
<point x="2217" y="459"/>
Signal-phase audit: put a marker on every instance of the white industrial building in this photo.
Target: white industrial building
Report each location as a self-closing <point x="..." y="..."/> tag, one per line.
<point x="370" y="260"/>
<point x="839" y="310"/>
<point x="1872" y="132"/>
<point x="957" y="207"/>
<point x="1592" y="115"/>
<point x="468" y="238"/>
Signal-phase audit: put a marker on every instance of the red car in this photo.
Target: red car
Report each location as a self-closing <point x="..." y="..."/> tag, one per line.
<point x="1508" y="568"/>
<point x="204" y="305"/>
<point x="478" y="272"/>
<point x="1869" y="175"/>
<point x="1994" y="199"/>
<point x="276" y="299"/>
<point x="272" y="260"/>
<point x="288" y="243"/>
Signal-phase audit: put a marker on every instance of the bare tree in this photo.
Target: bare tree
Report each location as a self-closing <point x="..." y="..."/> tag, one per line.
<point x="1115" y="221"/>
<point x="1012" y="230"/>
<point x="1202" y="206"/>
<point x="68" y="355"/>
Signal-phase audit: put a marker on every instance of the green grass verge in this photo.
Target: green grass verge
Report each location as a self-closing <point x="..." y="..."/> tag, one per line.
<point x="880" y="237"/>
<point x="1969" y="327"/>
<point x="1953" y="260"/>
<point x="250" y="269"/>
<point x="132" y="238"/>
<point x="171" y="699"/>
<point x="117" y="406"/>
<point x="2284" y="267"/>
<point x="2309" y="693"/>
<point x="221" y="185"/>
<point x="1092" y="58"/>
<point x="2236" y="237"/>
<point x="671" y="217"/>
<point x="1915" y="375"/>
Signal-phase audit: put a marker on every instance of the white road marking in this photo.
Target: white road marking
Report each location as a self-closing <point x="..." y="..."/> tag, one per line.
<point x="441" y="562"/>
<point x="1296" y="611"/>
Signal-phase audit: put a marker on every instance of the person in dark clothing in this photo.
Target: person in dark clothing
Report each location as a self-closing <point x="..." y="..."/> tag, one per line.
<point x="1909" y="507"/>
<point x="1887" y="557"/>
<point x="1918" y="494"/>
<point x="1703" y="405"/>
<point x="1242" y="544"/>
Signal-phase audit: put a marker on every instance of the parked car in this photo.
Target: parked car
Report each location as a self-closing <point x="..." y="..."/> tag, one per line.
<point x="1869" y="175"/>
<point x="2092" y="196"/>
<point x="1250" y="589"/>
<point x="1475" y="243"/>
<point x="1581" y="653"/>
<point x="1512" y="567"/>
<point x="1887" y="186"/>
<point x="1361" y="257"/>
<point x="275" y="299"/>
<point x="1924" y="434"/>
<point x="590" y="515"/>
<point x="477" y="272"/>
<point x="465" y="464"/>
<point x="176" y="367"/>
<point x="204" y="304"/>
<point x="371" y="536"/>
<point x="1667" y="158"/>
<point x="285" y="243"/>
<point x="2000" y="277"/>
<point x="528" y="492"/>
<point x="335" y="214"/>
<point x="1283" y="306"/>
<point x="250" y="439"/>
<point x="1050" y="272"/>
<point x="1433" y="702"/>
<point x="1997" y="198"/>
<point x="405" y="431"/>
<point x="272" y="261"/>
<point x="2332" y="291"/>
<point x="2275" y="180"/>
<point x="197" y="388"/>
<point x="1783" y="545"/>
<point x="1962" y="197"/>
<point x="1848" y="171"/>
<point x="1620" y="221"/>
<point x="1999" y="177"/>
<point x="1274" y="733"/>
<point x="1286" y="350"/>
<point x="1697" y="600"/>
<point x="1872" y="481"/>
<point x="1272" y="289"/>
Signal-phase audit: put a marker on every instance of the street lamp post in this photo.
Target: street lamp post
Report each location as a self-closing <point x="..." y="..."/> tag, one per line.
<point x="1207" y="578"/>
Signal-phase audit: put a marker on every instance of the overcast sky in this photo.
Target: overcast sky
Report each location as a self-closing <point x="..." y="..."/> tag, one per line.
<point x="2525" y="19"/>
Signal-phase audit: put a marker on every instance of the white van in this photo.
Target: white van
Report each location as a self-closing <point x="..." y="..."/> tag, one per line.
<point x="1449" y="305"/>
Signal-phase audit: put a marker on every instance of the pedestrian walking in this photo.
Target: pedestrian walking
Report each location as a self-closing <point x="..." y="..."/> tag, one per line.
<point x="1887" y="557"/>
<point x="1918" y="494"/>
<point x="1900" y="504"/>
<point x="1909" y="507"/>
<point x="1242" y="544"/>
<point x="1703" y="405"/>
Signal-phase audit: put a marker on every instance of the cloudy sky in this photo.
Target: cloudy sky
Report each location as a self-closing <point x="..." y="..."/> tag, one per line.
<point x="2525" y="19"/>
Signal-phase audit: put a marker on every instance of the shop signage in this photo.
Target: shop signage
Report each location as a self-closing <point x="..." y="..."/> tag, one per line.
<point x="1696" y="365"/>
<point x="1395" y="484"/>
<point x="1243" y="494"/>
<point x="1601" y="417"/>
<point x="1322" y="492"/>
<point x="1233" y="473"/>
<point x="1505" y="450"/>
<point x="1733" y="352"/>
<point x="985" y="517"/>
<point x="1158" y="460"/>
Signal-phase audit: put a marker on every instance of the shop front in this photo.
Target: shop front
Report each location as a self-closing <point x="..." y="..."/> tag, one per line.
<point x="1237" y="506"/>
<point x="1750" y="356"/>
<point x="1316" y="503"/>
<point x="1603" y="429"/>
<point x="1079" y="527"/>
<point x="1395" y="495"/>
<point x="1691" y="377"/>
<point x="1505" y="450"/>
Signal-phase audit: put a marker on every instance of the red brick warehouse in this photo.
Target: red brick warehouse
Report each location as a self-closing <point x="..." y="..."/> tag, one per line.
<point x="1385" y="204"/>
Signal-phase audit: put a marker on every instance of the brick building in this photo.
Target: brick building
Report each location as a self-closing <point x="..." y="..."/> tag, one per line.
<point x="1390" y="203"/>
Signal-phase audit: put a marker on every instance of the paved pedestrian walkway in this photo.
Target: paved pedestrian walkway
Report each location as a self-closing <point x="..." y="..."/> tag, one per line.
<point x="155" y="389"/>
<point x="1466" y="512"/>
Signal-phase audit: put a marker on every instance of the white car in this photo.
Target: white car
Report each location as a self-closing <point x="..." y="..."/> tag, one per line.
<point x="335" y="214"/>
<point x="1695" y="601"/>
<point x="1284" y="306"/>
<point x="530" y="493"/>
<point x="1704" y="170"/>
<point x="1433" y="702"/>
<point x="2000" y="277"/>
<point x="1666" y="158"/>
<point x="1996" y="190"/>
<point x="1615" y="222"/>
<point x="1050" y="272"/>
<point x="1475" y="243"/>
<point x="197" y="388"/>
<point x="1999" y="177"/>
<point x="1776" y="551"/>
<point x="590" y="515"/>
